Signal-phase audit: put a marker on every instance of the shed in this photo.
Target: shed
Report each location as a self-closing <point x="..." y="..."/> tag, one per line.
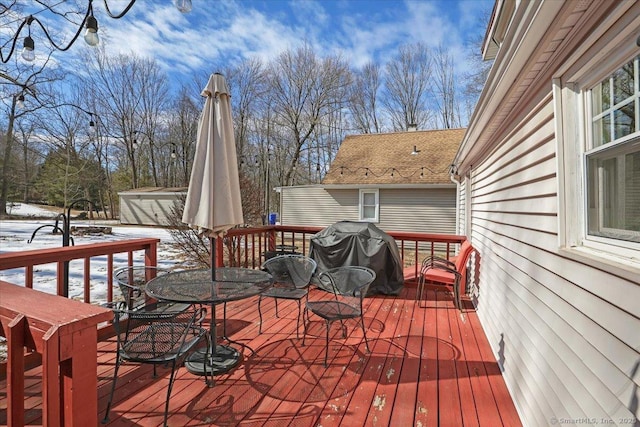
<point x="149" y="205"/>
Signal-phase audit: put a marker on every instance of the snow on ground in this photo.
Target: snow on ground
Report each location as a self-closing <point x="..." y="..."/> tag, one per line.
<point x="15" y="235"/>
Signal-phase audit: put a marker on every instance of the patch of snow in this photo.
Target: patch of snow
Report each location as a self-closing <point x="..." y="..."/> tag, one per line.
<point x="16" y="235"/>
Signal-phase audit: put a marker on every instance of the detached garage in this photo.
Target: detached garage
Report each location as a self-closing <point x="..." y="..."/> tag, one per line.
<point x="149" y="205"/>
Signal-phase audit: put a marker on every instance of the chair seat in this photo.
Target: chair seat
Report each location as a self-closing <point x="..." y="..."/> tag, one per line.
<point x="158" y="343"/>
<point x="439" y="276"/>
<point x="285" y="293"/>
<point x="333" y="310"/>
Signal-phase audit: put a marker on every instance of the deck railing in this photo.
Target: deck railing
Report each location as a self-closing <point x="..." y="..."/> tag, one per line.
<point x="248" y="247"/>
<point x="29" y="259"/>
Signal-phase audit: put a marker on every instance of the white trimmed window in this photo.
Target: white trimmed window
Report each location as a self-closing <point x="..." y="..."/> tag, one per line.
<point x="612" y="157"/>
<point x="369" y="205"/>
<point x="598" y="118"/>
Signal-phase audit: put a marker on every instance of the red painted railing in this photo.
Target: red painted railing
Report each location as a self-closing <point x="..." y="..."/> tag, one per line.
<point x="29" y="259"/>
<point x="247" y="247"/>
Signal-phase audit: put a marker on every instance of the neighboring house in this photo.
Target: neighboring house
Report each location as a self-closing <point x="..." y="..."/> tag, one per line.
<point x="549" y="173"/>
<point x="149" y="205"/>
<point x="376" y="178"/>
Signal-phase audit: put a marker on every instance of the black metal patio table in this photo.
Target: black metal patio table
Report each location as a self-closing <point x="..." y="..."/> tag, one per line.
<point x="197" y="287"/>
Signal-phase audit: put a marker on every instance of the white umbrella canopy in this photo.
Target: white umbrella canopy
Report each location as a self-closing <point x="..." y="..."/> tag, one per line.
<point x="213" y="204"/>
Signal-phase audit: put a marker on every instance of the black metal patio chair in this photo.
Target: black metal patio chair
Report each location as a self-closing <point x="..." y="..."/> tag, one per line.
<point x="291" y="276"/>
<point x="157" y="338"/>
<point x="349" y="286"/>
<point x="132" y="281"/>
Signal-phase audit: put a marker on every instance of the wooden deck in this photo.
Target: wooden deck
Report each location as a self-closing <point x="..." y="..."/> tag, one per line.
<point x="428" y="367"/>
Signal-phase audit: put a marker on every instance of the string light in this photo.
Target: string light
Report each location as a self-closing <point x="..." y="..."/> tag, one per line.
<point x="89" y="22"/>
<point x="393" y="171"/>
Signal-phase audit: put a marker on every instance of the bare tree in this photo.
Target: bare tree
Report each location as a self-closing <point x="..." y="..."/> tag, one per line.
<point x="444" y="91"/>
<point x="20" y="89"/>
<point x="130" y="95"/>
<point x="407" y="85"/>
<point x="303" y="90"/>
<point x="247" y="84"/>
<point x="363" y="99"/>
<point x="183" y="127"/>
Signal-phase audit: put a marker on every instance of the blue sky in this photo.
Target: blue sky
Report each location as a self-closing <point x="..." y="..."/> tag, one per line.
<point x="217" y="33"/>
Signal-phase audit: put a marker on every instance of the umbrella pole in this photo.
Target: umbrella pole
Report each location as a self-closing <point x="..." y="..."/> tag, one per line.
<point x="213" y="242"/>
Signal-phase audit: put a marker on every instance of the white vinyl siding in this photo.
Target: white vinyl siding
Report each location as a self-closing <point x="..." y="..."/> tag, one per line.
<point x="565" y="339"/>
<point x="564" y="325"/>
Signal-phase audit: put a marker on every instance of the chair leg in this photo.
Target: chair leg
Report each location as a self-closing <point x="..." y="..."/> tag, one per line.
<point x="326" y="346"/>
<point x="171" y="378"/>
<point x="298" y="322"/>
<point x="364" y="332"/>
<point x="305" y="315"/>
<point x="276" y="300"/>
<point x="456" y="294"/>
<point x="113" y="389"/>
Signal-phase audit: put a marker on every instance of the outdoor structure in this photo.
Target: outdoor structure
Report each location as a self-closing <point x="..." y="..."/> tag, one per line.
<point x="149" y="205"/>
<point x="379" y="178"/>
<point x="549" y="173"/>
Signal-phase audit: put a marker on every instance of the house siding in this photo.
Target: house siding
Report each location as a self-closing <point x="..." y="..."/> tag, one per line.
<point x="423" y="210"/>
<point x="147" y="208"/>
<point x="314" y="206"/>
<point x="566" y="334"/>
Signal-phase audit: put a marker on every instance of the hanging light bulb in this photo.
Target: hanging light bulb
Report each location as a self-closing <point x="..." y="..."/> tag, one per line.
<point x="183" y="6"/>
<point x="91" y="35"/>
<point x="174" y="155"/>
<point x="20" y="101"/>
<point x="92" y="126"/>
<point x="28" y="52"/>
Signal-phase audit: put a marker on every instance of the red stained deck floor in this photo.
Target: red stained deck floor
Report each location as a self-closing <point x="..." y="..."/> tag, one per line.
<point x="427" y="367"/>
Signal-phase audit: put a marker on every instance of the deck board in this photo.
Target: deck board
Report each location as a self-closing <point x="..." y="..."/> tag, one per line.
<point x="428" y="366"/>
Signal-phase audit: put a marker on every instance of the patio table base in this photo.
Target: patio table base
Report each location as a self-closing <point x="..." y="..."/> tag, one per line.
<point x="224" y="359"/>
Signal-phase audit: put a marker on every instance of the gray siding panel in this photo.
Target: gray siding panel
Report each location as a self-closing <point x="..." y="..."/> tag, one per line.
<point x="315" y="206"/>
<point x="146" y="209"/>
<point x="423" y="210"/>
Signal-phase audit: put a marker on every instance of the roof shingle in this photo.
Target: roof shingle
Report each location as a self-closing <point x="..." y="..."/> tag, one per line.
<point x="386" y="158"/>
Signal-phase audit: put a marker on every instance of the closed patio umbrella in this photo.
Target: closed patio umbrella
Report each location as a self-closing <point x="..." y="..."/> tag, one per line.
<point x="213" y="204"/>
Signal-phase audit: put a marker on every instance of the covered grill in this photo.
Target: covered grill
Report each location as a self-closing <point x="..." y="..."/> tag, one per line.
<point x="363" y="244"/>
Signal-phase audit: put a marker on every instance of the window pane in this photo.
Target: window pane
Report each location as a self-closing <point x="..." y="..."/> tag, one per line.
<point x="368" y="212"/>
<point x="623" y="83"/>
<point x="600" y="98"/>
<point x="369" y="199"/>
<point x="614" y="196"/>
<point x="624" y="120"/>
<point x="602" y="131"/>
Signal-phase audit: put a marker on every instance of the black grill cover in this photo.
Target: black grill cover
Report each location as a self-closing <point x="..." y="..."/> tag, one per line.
<point x="363" y="244"/>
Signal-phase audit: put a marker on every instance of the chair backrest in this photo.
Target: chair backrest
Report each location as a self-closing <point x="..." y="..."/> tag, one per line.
<point x="291" y="269"/>
<point x="462" y="261"/>
<point x="350" y="281"/>
<point x="132" y="281"/>
<point x="146" y="333"/>
<point x="463" y="257"/>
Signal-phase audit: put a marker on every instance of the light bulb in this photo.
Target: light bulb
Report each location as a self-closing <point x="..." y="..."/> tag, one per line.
<point x="91" y="35"/>
<point x="20" y="101"/>
<point x="28" y="52"/>
<point x="92" y="127"/>
<point x="183" y="6"/>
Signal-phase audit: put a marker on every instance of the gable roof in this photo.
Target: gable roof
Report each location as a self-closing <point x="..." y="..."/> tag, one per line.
<point x="373" y="158"/>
